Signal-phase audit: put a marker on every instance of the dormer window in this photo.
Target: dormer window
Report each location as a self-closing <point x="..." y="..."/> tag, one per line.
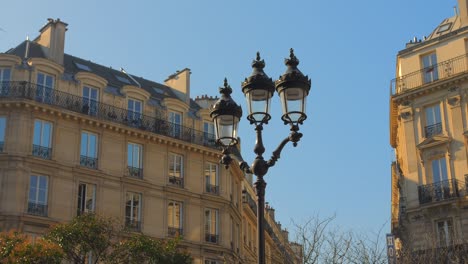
<point x="90" y="100"/>
<point x="5" y="75"/>
<point x="175" y="119"/>
<point x="135" y="110"/>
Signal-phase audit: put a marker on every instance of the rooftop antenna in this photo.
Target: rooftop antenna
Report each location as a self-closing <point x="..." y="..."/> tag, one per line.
<point x="26" y="52"/>
<point x="455" y="10"/>
<point x="131" y="77"/>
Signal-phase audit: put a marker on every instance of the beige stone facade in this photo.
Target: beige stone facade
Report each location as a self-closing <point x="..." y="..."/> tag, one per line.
<point x="429" y="132"/>
<point x="78" y="137"/>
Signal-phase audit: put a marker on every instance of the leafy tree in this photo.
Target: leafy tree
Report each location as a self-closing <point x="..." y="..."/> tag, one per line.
<point x="143" y="249"/>
<point x="85" y="234"/>
<point x="20" y="249"/>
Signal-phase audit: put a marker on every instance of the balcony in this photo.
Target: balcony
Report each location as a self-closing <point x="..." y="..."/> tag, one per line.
<point x="246" y="198"/>
<point x="439" y="191"/>
<point x="435" y="73"/>
<point x="433" y="130"/>
<point x="178" y="181"/>
<point x="37" y="209"/>
<point x="42" y="152"/>
<point x="212" y="238"/>
<point x="213" y="189"/>
<point x="174" y="231"/>
<point x="106" y="112"/>
<point x="132" y="225"/>
<point x="135" y="172"/>
<point x="89" y="162"/>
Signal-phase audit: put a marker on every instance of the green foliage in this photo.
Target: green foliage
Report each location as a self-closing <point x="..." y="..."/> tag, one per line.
<point x="85" y="234"/>
<point x="143" y="249"/>
<point x="19" y="248"/>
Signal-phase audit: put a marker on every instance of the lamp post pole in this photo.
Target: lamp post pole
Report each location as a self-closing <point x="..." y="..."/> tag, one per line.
<point x="293" y="88"/>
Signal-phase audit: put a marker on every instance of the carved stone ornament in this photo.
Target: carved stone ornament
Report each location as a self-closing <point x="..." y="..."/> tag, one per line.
<point x="454" y="101"/>
<point x="406" y="114"/>
<point x="406" y="103"/>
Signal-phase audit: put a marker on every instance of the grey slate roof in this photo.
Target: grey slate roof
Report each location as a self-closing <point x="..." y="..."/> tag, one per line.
<point x="156" y="90"/>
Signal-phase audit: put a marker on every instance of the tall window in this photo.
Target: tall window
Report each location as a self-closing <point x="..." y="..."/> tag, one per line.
<point x="90" y="100"/>
<point x="211" y="225"/>
<point x="45" y="87"/>
<point x="42" y="139"/>
<point x="208" y="133"/>
<point x="430" y="70"/>
<point x="175" y="120"/>
<point x="86" y="198"/>
<point x="211" y="261"/>
<point x="2" y="132"/>
<point x="88" y="154"/>
<point x="433" y="121"/>
<point x="176" y="169"/>
<point x="440" y="179"/>
<point x="445" y="233"/>
<point x="37" y="198"/>
<point x="211" y="178"/>
<point x="174" y="218"/>
<point x="5" y="75"/>
<point x="133" y="211"/>
<point x="134" y="111"/>
<point x="134" y="160"/>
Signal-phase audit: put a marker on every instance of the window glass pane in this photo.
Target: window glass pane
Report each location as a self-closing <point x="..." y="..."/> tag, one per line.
<point x="84" y="144"/>
<point x="46" y="134"/>
<point x="49" y="81"/>
<point x="86" y="92"/>
<point x="130" y="104"/>
<point x="2" y="128"/>
<point x="94" y="94"/>
<point x="129" y="154"/>
<point x="137" y="107"/>
<point x="92" y="146"/>
<point x="40" y="79"/>
<point x="37" y="132"/>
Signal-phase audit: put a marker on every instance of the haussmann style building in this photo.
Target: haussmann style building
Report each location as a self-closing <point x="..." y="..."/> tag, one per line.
<point x="78" y="137"/>
<point x="429" y="133"/>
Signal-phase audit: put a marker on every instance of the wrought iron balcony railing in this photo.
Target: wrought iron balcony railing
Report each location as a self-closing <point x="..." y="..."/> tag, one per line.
<point x="175" y="231"/>
<point x="89" y="162"/>
<point x="246" y="198"/>
<point x="132" y="225"/>
<point x="439" y="191"/>
<point x="432" y="130"/>
<point x="434" y="73"/>
<point x="42" y="152"/>
<point x="210" y="188"/>
<point x="37" y="209"/>
<point x="212" y="238"/>
<point x="102" y="111"/>
<point x="135" y="172"/>
<point x="179" y="181"/>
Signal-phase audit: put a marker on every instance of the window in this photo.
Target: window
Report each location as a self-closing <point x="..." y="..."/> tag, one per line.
<point x="176" y="169"/>
<point x="45" y="88"/>
<point x="174" y="218"/>
<point x="37" y="199"/>
<point x="211" y="225"/>
<point x="433" y="121"/>
<point x="42" y="139"/>
<point x="211" y="261"/>
<point x="134" y="112"/>
<point x="445" y="233"/>
<point x="208" y="133"/>
<point x="88" y="155"/>
<point x="134" y="160"/>
<point x="86" y="198"/>
<point x="90" y="100"/>
<point x="440" y="179"/>
<point x="211" y="178"/>
<point x="5" y="76"/>
<point x="2" y="132"/>
<point x="430" y="71"/>
<point x="133" y="211"/>
<point x="175" y="122"/>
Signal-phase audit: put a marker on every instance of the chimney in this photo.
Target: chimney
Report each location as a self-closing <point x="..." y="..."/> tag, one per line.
<point x="180" y="81"/>
<point x="463" y="9"/>
<point x="53" y="38"/>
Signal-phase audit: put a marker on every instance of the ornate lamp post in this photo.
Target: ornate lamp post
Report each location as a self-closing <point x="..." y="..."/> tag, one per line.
<point x="293" y="88"/>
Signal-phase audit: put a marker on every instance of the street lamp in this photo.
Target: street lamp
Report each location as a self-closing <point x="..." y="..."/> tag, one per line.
<point x="293" y="88"/>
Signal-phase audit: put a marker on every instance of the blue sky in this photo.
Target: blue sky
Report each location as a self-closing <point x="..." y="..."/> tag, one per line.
<point x="348" y="49"/>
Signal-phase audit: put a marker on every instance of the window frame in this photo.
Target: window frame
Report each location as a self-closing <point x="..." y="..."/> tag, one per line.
<point x="81" y="208"/>
<point x="41" y="149"/>
<point x="85" y="159"/>
<point x="131" y="221"/>
<point x="3" y="130"/>
<point x="448" y="230"/>
<point x="429" y="66"/>
<point x="208" y="173"/>
<point x="175" y="120"/>
<point x="172" y="170"/>
<point x="90" y="105"/>
<point x="35" y="201"/>
<point x="175" y="227"/>
<point x="209" y="225"/>
<point x="133" y="114"/>
<point x="135" y="168"/>
<point x="432" y="120"/>
<point x="44" y="90"/>
<point x="5" y="82"/>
